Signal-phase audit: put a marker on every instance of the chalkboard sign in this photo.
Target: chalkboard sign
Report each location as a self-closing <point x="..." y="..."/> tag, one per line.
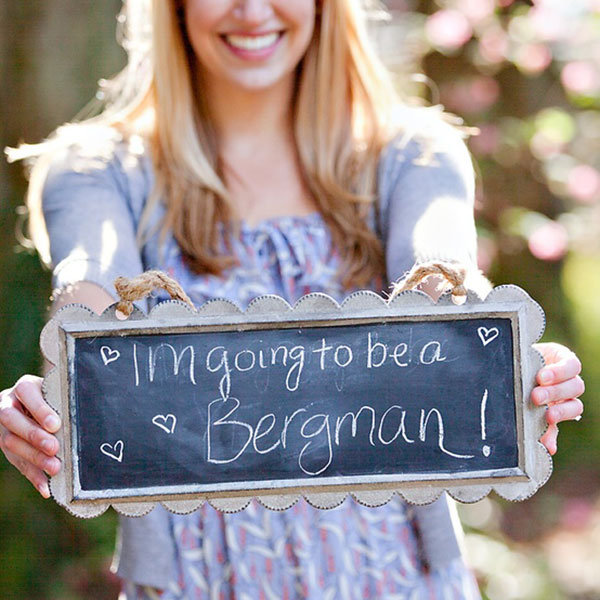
<point x="320" y="400"/>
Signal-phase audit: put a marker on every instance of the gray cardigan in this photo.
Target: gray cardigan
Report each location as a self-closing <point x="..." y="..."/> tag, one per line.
<point x="92" y="207"/>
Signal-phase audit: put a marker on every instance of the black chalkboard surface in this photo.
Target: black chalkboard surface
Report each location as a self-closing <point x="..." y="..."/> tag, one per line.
<point x="214" y="406"/>
<point x="284" y="404"/>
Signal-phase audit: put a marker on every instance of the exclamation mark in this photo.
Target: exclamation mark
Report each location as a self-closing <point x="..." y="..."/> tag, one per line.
<point x="486" y="449"/>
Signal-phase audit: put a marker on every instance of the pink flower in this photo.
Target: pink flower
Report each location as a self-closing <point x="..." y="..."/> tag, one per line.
<point x="486" y="253"/>
<point x="493" y="45"/>
<point x="548" y="22"/>
<point x="487" y="141"/>
<point x="484" y="91"/>
<point x="472" y="95"/>
<point x="543" y="146"/>
<point x="476" y="10"/>
<point x="533" y="58"/>
<point x="583" y="183"/>
<point x="448" y="29"/>
<point x="580" y="77"/>
<point x="549" y="242"/>
<point x="576" y="513"/>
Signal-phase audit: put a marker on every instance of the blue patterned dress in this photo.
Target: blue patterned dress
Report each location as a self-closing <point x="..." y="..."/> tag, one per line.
<point x="348" y="553"/>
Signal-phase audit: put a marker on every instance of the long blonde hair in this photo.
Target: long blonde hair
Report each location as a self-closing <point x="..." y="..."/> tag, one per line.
<point x="342" y="120"/>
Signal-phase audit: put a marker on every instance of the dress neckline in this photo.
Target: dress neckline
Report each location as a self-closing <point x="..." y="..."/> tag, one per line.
<point x="281" y="221"/>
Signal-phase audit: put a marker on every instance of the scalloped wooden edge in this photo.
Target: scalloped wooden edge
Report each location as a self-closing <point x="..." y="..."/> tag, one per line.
<point x="309" y="307"/>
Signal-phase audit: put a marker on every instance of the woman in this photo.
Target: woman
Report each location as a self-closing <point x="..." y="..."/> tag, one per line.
<point x="257" y="146"/>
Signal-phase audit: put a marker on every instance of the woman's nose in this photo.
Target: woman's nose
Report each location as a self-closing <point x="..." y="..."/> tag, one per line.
<point x="253" y="12"/>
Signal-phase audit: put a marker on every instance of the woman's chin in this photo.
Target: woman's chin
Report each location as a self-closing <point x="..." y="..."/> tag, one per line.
<point x="257" y="80"/>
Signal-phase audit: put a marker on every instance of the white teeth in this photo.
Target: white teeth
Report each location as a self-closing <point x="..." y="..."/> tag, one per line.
<point x="252" y="42"/>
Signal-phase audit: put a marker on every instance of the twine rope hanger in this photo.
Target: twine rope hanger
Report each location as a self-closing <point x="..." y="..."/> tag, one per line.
<point x="453" y="274"/>
<point x="136" y="288"/>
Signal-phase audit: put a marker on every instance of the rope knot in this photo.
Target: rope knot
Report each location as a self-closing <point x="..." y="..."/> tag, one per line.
<point x="454" y="276"/>
<point x="136" y="288"/>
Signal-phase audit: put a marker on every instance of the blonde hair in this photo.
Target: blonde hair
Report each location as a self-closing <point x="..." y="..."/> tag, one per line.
<point x="342" y="116"/>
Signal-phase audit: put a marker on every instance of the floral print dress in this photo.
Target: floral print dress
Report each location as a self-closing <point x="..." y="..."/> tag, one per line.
<point x="350" y="552"/>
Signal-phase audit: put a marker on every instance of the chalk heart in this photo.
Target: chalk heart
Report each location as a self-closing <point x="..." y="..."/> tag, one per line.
<point x="165" y="422"/>
<point x="109" y="355"/>
<point x="487" y="335"/>
<point x="114" y="451"/>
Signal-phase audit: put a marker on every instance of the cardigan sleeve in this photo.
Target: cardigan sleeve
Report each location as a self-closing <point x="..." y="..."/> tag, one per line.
<point x="91" y="220"/>
<point x="426" y="197"/>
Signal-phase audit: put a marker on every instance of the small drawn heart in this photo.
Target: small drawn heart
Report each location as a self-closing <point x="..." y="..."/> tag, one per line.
<point x="487" y="335"/>
<point x="162" y="420"/>
<point x="115" y="451"/>
<point x="108" y="354"/>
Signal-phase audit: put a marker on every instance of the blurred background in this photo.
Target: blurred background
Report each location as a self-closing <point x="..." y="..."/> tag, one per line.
<point x="527" y="76"/>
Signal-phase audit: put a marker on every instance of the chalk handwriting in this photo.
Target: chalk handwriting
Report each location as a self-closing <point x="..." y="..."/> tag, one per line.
<point x="379" y="393"/>
<point x="324" y="424"/>
<point x="153" y="355"/>
<point x="318" y="432"/>
<point x="165" y="422"/>
<point x="234" y="403"/>
<point x="354" y="421"/>
<point x="218" y="361"/>
<point x="487" y="335"/>
<point x="379" y="353"/>
<point x="401" y="429"/>
<point x="114" y="451"/>
<point x="108" y="355"/>
<point x="136" y="368"/>
<point x="486" y="450"/>
<point x="370" y="352"/>
<point x="423" y="432"/>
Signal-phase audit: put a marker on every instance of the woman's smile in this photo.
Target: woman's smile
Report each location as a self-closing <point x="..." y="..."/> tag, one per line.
<point x="253" y="46"/>
<point x="250" y="44"/>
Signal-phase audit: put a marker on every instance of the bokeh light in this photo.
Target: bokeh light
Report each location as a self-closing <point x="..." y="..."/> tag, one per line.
<point x="448" y="29"/>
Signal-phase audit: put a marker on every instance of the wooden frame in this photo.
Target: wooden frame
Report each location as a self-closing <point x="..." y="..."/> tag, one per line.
<point x="510" y="302"/>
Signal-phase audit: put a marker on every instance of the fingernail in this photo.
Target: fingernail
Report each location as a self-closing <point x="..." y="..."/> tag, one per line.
<point x="541" y="396"/>
<point x="46" y="446"/>
<point x="52" y="423"/>
<point x="44" y="490"/>
<point x="546" y="376"/>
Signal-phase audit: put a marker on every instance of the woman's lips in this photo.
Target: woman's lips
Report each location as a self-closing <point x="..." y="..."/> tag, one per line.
<point x="252" y="47"/>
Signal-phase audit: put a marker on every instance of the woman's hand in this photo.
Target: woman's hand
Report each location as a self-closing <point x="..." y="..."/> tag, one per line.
<point x="26" y="421"/>
<point x="26" y="425"/>
<point x="559" y="386"/>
